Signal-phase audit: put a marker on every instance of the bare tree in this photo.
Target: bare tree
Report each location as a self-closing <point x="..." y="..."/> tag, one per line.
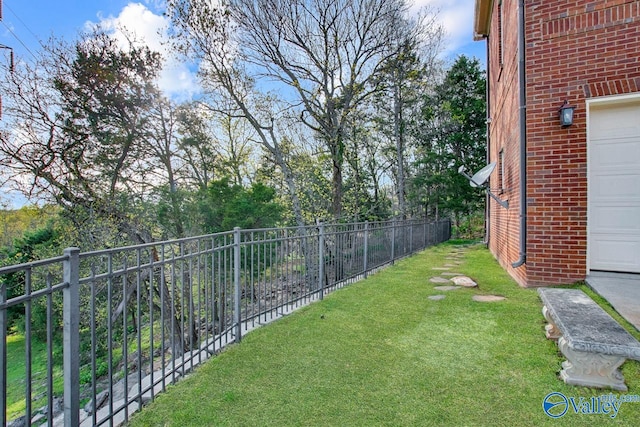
<point x="327" y="51"/>
<point x="320" y="55"/>
<point x="204" y="31"/>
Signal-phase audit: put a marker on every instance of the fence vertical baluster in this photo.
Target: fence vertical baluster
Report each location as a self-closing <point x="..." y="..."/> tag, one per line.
<point x="3" y="354"/>
<point x="236" y="283"/>
<point x="162" y="289"/>
<point x="110" y="284"/>
<point x="412" y="235"/>
<point x="190" y="305"/>
<point x="49" y="350"/>
<point x="27" y="345"/>
<point x="173" y="315"/>
<point x="424" y="234"/>
<point x="393" y="241"/>
<point x="151" y="321"/>
<point x="213" y="292"/>
<point x="138" y="324"/>
<point x="254" y="313"/>
<point x="183" y="334"/>
<point x="201" y="262"/>
<point x="125" y="337"/>
<point x="71" y="331"/>
<point x="365" y="263"/>
<point x="321" y="266"/>
<point x="92" y="325"/>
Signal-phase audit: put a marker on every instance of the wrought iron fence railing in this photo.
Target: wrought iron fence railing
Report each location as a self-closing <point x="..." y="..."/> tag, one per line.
<point x="88" y="338"/>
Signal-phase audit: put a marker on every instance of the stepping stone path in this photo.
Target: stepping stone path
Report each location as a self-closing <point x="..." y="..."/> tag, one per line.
<point x="464" y="281"/>
<point x="455" y="258"/>
<point x="447" y="288"/>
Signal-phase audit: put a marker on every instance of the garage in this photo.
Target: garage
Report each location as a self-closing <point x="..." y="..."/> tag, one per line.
<point x="614" y="184"/>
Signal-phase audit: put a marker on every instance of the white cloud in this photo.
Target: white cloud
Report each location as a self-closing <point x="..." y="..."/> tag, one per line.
<point x="177" y="80"/>
<point x="456" y="17"/>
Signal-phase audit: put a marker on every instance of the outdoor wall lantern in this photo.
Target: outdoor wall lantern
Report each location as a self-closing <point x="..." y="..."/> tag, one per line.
<point x="566" y="114"/>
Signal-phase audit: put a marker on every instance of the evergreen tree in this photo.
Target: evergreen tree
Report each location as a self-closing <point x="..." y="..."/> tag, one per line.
<point x="454" y="134"/>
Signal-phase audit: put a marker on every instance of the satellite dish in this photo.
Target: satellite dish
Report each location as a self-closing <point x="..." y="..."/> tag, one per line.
<point x="481" y="177"/>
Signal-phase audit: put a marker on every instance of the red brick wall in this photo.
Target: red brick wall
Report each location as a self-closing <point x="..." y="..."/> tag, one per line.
<point x="574" y="50"/>
<point x="504" y="134"/>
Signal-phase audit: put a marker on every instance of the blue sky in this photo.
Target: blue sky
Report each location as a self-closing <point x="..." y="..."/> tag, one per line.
<point x="27" y="23"/>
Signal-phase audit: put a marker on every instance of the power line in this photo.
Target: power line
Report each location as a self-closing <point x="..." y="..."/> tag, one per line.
<point x="19" y="41"/>
<point x="4" y="47"/>
<point x="24" y="45"/>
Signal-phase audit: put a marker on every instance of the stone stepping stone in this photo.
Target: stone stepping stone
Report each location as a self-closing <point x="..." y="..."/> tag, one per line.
<point x="449" y="273"/>
<point x="439" y="280"/>
<point x="447" y="288"/>
<point x="436" y="297"/>
<point x="464" y="281"/>
<point x="441" y="268"/>
<point x="449" y="265"/>
<point x="488" y="298"/>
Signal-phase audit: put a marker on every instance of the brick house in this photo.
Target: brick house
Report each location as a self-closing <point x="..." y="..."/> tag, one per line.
<point x="573" y="191"/>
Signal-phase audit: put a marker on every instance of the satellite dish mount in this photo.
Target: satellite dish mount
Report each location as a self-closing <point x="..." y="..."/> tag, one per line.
<point x="481" y="179"/>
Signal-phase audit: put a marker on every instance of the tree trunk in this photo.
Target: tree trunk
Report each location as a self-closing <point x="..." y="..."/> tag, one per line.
<point x="398" y="132"/>
<point x="336" y="204"/>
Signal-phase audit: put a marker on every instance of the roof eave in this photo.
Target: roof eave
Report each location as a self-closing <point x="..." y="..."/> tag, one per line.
<point x="482" y="19"/>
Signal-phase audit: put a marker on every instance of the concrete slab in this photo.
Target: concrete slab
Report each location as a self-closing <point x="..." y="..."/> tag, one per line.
<point x="488" y="298"/>
<point x="622" y="291"/>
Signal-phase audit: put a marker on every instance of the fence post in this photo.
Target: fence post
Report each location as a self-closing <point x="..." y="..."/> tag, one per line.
<point x="393" y="240"/>
<point x="321" y="259"/>
<point x="71" y="336"/>
<point x="366" y="248"/>
<point x="237" y="318"/>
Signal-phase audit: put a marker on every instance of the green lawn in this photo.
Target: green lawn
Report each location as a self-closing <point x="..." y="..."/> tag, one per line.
<point x="16" y="387"/>
<point x="380" y="353"/>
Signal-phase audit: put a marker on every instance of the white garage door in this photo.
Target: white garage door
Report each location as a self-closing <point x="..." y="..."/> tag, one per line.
<point x="614" y="186"/>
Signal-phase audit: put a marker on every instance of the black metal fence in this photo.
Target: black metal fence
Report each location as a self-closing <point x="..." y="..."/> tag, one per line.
<point x="88" y="338"/>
